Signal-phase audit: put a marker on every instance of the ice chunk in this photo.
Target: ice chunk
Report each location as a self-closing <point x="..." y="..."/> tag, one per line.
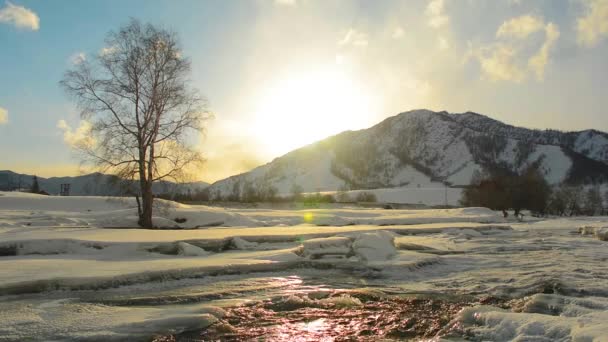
<point x="343" y="301"/>
<point x="316" y="248"/>
<point x="602" y="233"/>
<point x="186" y="249"/>
<point x="375" y="246"/>
<point x="240" y="243"/>
<point x="586" y="230"/>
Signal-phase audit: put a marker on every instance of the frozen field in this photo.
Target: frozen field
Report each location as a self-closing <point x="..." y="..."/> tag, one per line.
<point x="71" y="270"/>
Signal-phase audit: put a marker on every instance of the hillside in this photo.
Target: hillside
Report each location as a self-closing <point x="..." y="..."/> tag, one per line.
<point x="422" y="148"/>
<point x="94" y="184"/>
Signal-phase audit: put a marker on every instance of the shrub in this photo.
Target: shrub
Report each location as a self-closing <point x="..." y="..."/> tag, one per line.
<point x="366" y="196"/>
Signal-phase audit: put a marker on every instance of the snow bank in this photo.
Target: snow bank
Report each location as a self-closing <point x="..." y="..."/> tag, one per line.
<point x="66" y="320"/>
<point x="28" y="210"/>
<point x="494" y="324"/>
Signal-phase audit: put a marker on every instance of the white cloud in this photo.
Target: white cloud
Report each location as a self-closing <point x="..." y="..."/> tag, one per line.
<point x="538" y="62"/>
<point x="398" y="32"/>
<point x="19" y="16"/>
<point x="507" y="58"/>
<point x="594" y="25"/>
<point x="439" y="20"/>
<point x="498" y="63"/>
<point x="78" y="58"/>
<point x="79" y="137"/>
<point x="435" y="11"/>
<point x="520" y="27"/>
<point x="3" y="116"/>
<point x="354" y="38"/>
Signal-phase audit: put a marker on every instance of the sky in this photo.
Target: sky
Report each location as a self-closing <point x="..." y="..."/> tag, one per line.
<point x="281" y="74"/>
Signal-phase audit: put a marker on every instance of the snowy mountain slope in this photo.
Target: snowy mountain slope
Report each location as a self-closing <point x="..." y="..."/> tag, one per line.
<point x="422" y="148"/>
<point x="590" y="143"/>
<point x="94" y="184"/>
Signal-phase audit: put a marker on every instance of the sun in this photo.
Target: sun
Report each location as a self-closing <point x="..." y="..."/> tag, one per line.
<point x="301" y="108"/>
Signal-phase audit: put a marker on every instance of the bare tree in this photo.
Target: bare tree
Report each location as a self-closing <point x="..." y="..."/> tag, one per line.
<point x="593" y="201"/>
<point x="143" y="112"/>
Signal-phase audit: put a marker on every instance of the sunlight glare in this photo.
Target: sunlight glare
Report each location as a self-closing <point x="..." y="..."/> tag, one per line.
<point x="303" y="108"/>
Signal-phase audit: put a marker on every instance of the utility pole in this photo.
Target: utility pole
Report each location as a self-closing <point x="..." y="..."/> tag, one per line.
<point x="446" y="194"/>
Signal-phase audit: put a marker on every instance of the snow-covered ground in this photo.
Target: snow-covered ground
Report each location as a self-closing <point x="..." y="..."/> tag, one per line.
<point x="65" y="276"/>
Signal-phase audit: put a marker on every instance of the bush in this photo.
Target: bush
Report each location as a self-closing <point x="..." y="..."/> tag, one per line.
<point x="366" y="196"/>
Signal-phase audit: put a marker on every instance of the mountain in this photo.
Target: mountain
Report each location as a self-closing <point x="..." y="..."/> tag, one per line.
<point x="422" y="148"/>
<point x="94" y="184"/>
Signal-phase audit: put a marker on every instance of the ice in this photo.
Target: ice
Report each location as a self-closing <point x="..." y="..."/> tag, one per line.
<point x="60" y="320"/>
<point x="66" y="276"/>
<point x="494" y="324"/>
<point x="187" y="249"/>
<point x="316" y="248"/>
<point x="602" y="233"/>
<point x="374" y="246"/>
<point x="240" y="243"/>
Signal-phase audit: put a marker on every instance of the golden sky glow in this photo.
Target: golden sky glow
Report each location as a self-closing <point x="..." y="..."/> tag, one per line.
<point x="281" y="74"/>
<point x="306" y="106"/>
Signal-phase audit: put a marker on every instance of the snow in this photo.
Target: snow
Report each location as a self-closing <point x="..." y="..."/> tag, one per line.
<point x="375" y="246"/>
<point x="29" y="210"/>
<point x="186" y="249"/>
<point x="421" y="148"/>
<point x="593" y="144"/>
<point x="555" y="163"/>
<point x="240" y="243"/>
<point x="431" y="195"/>
<point x="66" y="277"/>
<point x="319" y="247"/>
<point x="578" y="320"/>
<point x="601" y="233"/>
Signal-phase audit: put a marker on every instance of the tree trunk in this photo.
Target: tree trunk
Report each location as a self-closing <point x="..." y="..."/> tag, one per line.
<point x="147" y="199"/>
<point x="139" y="212"/>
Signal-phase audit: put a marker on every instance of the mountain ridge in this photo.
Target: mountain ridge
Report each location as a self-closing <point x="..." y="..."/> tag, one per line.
<point x="422" y="148"/>
<point x="92" y="184"/>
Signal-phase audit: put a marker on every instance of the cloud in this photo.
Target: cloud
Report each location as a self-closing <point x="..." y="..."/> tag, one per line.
<point x="439" y="20"/>
<point x="538" y="62"/>
<point x="19" y="16"/>
<point x="79" y="137"/>
<point x="507" y="59"/>
<point x="594" y="25"/>
<point x="354" y="38"/>
<point x="3" y="116"/>
<point x="520" y="27"/>
<point x="435" y="12"/>
<point x="398" y="32"/>
<point x="78" y="58"/>
<point x="498" y="63"/>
